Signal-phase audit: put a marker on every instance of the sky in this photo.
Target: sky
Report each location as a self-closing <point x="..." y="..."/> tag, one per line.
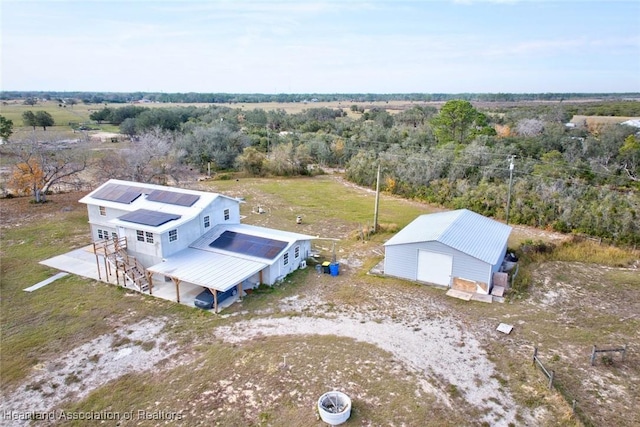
<point x="321" y="46"/>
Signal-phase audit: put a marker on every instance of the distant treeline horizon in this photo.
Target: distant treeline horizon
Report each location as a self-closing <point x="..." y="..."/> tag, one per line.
<point x="231" y="98"/>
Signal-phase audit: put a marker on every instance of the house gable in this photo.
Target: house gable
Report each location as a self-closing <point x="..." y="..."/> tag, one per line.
<point x="157" y="221"/>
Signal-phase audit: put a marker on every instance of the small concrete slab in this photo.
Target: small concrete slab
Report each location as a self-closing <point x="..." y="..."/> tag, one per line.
<point x="482" y="298"/>
<point x="497" y="291"/>
<point x="465" y="296"/>
<point x="46" y="282"/>
<point x="504" y="328"/>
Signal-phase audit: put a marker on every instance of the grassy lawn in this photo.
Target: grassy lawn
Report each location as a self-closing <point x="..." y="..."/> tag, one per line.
<point x="566" y="307"/>
<point x="61" y="115"/>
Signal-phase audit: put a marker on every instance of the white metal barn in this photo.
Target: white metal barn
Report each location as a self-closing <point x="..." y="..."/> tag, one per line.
<point x="459" y="249"/>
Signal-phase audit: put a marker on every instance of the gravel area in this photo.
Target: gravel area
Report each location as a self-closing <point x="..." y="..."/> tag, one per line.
<point x="441" y="351"/>
<point x="135" y="348"/>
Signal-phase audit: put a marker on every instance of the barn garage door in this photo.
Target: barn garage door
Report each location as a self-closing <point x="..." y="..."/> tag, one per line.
<point x="434" y="267"/>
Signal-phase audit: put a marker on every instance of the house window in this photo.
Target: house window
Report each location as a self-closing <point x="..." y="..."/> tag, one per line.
<point x="285" y="258"/>
<point x="103" y="211"/>
<point x="207" y="222"/>
<point x="103" y="234"/>
<point x="173" y="235"/>
<point x="140" y="235"/>
<point x="296" y="252"/>
<point x="226" y="215"/>
<point x="114" y="236"/>
<point x="149" y="237"/>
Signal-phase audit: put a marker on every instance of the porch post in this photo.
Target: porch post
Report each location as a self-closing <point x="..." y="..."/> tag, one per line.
<point x="150" y="280"/>
<point x="177" y="282"/>
<point x="95" y="252"/>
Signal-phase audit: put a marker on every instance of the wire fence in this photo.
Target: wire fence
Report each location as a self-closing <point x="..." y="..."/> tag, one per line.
<point x="553" y="383"/>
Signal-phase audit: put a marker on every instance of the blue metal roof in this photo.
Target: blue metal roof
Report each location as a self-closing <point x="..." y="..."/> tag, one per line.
<point x="463" y="230"/>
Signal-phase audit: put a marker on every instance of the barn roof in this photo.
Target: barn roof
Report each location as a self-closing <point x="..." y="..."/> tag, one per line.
<point x="463" y="230"/>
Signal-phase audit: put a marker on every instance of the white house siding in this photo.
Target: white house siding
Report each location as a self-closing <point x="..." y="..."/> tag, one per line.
<point x="187" y="233"/>
<point x="402" y="261"/>
<point x="278" y="270"/>
<point x="101" y="222"/>
<point x="218" y="207"/>
<point x="294" y="263"/>
<point x="147" y="253"/>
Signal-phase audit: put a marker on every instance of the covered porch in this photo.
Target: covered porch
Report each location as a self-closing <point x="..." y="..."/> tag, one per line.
<point x="184" y="275"/>
<point x="171" y="280"/>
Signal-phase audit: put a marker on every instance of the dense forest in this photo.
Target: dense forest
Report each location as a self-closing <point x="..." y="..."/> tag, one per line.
<point x="582" y="178"/>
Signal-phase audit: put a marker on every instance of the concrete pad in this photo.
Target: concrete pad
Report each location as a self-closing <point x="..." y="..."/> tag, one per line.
<point x="81" y="262"/>
<point x="482" y="298"/>
<point x="497" y="291"/>
<point x="465" y="296"/>
<point x="504" y="328"/>
<point x="45" y="282"/>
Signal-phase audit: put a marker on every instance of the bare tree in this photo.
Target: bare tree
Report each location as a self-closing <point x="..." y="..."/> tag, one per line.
<point x="529" y="127"/>
<point x="151" y="158"/>
<point x="40" y="165"/>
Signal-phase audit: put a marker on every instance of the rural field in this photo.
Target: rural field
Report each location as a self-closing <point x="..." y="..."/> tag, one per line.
<point x="405" y="353"/>
<point x="79" y="113"/>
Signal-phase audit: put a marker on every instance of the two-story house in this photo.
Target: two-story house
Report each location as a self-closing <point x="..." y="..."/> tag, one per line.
<point x="187" y="236"/>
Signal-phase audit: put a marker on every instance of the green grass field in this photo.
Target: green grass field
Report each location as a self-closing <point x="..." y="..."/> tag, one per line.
<point x="62" y="116"/>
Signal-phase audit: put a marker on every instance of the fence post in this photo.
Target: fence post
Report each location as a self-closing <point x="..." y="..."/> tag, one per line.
<point x="593" y="355"/>
<point x="573" y="406"/>
<point x="535" y="354"/>
<point x="553" y="374"/>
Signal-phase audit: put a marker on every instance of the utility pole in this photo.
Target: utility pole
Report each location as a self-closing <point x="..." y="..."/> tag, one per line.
<point x="267" y="140"/>
<point x="511" y="166"/>
<point x="375" y="212"/>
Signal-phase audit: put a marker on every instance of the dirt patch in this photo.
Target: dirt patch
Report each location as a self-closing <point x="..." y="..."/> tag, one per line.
<point x="105" y="136"/>
<point x="440" y="351"/>
<point x="19" y="211"/>
<point x="134" y="348"/>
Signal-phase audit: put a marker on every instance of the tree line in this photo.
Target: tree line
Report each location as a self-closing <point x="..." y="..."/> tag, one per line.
<point x="232" y="98"/>
<point x="569" y="179"/>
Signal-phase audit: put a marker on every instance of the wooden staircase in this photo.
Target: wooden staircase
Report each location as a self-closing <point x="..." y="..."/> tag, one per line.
<point x="133" y="272"/>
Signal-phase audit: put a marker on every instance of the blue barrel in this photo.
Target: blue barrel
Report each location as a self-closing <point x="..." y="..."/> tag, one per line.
<point x="334" y="269"/>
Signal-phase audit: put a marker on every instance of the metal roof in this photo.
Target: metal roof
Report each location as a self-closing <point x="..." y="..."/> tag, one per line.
<point x="289" y="238"/>
<point x="147" y="217"/>
<point x="208" y="269"/>
<point x="463" y="230"/>
<point x="247" y="244"/>
<point x="128" y="196"/>
<point x="173" y="197"/>
<point x="218" y="268"/>
<point x="120" y="193"/>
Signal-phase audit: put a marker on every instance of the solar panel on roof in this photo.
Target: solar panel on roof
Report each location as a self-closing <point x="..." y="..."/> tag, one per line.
<point x="147" y="217"/>
<point x="248" y="245"/>
<point x="173" y="197"/>
<point x="118" y="193"/>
